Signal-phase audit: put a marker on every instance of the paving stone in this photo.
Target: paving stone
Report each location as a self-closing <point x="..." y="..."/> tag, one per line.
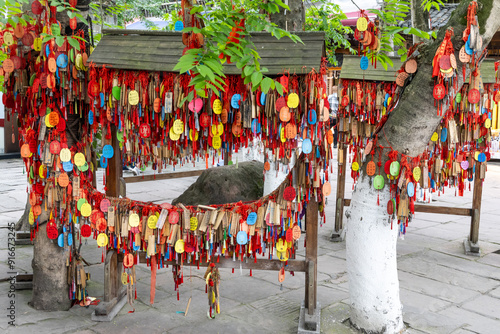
<point x="334" y="319"/>
<point x="447" y="275"/>
<point x="495" y="292"/>
<point x="431" y="322"/>
<point x="416" y="302"/>
<point x="472" y="321"/>
<point x="331" y="265"/>
<point x="485" y="305"/>
<point x="459" y="263"/>
<point x="492" y="259"/>
<point x="448" y="231"/>
<point x="434" y="288"/>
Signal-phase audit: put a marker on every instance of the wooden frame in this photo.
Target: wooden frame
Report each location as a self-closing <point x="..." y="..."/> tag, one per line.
<point x="114" y="291"/>
<point x="473" y="212"/>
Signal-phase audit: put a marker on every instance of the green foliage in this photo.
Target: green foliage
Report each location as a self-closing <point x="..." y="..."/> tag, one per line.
<point x="327" y="17"/>
<point x="394" y="12"/>
<point x="428" y="4"/>
<point x="225" y="40"/>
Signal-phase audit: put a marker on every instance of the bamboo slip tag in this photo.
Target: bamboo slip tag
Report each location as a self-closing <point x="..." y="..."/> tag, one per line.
<point x="111" y="216"/>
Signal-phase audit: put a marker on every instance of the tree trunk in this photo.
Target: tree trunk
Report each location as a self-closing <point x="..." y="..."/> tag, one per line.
<point x="293" y="19"/>
<point x="50" y="271"/>
<point x="370" y="242"/>
<point x="50" y="283"/>
<point x="371" y="262"/>
<point x="290" y="20"/>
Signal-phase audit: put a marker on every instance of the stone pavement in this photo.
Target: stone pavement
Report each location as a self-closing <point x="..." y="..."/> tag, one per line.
<point x="442" y="290"/>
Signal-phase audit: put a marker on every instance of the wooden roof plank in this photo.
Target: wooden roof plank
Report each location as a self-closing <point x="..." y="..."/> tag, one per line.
<point x="154" y="50"/>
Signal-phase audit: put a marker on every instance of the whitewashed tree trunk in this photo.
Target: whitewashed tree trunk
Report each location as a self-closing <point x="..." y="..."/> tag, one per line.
<point x="273" y="178"/>
<point x="371" y="262"/>
<point x="370" y="242"/>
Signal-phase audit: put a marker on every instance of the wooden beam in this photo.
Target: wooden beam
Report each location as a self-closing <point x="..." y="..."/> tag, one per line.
<point x="115" y="167"/>
<point x="175" y="175"/>
<point x="261" y="264"/>
<point x="341" y="172"/>
<point x="445" y="210"/>
<point x="311" y="255"/>
<point x="476" y="205"/>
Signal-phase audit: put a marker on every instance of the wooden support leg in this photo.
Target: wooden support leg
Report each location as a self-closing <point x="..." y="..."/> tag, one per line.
<point x="311" y="254"/>
<point x="113" y="289"/>
<point x="310" y="311"/>
<point x="341" y="172"/>
<point x="472" y="244"/>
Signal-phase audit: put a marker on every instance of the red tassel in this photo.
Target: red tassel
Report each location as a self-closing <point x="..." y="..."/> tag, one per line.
<point x="378" y="199"/>
<point x="135" y="293"/>
<point x="233" y="271"/>
<point x="424" y="194"/>
<point x="250" y="272"/>
<point x="102" y="258"/>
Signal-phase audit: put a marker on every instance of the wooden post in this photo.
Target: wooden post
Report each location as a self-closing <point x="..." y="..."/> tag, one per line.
<point x="311" y="255"/>
<point x="115" y="167"/>
<point x="112" y="267"/>
<point x="341" y="172"/>
<point x="476" y="209"/>
<point x="110" y="276"/>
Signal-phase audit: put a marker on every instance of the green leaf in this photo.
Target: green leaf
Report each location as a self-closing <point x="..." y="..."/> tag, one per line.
<point x="47" y="38"/>
<point x="256" y="78"/>
<point x="248" y="70"/>
<point x="74" y="43"/>
<point x="196" y="9"/>
<point x="279" y="87"/>
<point x="206" y="72"/>
<point x="266" y="84"/>
<point x="59" y="40"/>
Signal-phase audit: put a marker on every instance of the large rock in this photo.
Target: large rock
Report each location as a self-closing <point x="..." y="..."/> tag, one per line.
<point x="226" y="184"/>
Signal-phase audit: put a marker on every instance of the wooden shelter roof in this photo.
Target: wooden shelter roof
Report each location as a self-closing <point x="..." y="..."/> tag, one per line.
<point x="351" y="70"/>
<point x="161" y="50"/>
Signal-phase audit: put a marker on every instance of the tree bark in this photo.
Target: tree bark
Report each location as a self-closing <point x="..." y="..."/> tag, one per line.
<point x="293" y="19"/>
<point x="370" y="242"/>
<point x="372" y="263"/>
<point x="290" y="20"/>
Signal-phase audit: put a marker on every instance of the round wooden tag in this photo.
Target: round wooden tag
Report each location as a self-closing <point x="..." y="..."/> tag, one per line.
<point x="145" y="130"/>
<point x="293" y="100"/>
<point x="327" y="188"/>
<point x="216" y="142"/>
<point x="102" y="240"/>
<point x="439" y="91"/>
<point x="362" y="24"/>
<point x="411" y="66"/>
<point x="463" y="56"/>
<point x="371" y="168"/>
<point x="128" y="260"/>
<point x="474" y="96"/>
<point x="63" y="180"/>
<point x="223" y="116"/>
<point x="401" y="78"/>
<point x="289" y="193"/>
<point x="173" y="217"/>
<point x="444" y="62"/>
<point x="101" y="224"/>
<point x="133" y="97"/>
<point x="52" y="230"/>
<point x="290" y="131"/>
<point x="285" y="114"/>
<point x="157" y="105"/>
<point x="51" y="63"/>
<point x="8" y="65"/>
